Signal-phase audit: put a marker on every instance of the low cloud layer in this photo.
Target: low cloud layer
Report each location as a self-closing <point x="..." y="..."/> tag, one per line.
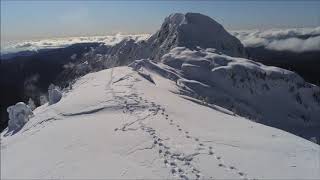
<point x="63" y="42"/>
<point x="295" y="40"/>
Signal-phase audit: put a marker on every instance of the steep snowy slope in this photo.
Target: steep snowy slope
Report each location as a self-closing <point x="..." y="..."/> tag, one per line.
<point x="120" y="123"/>
<point x="193" y="30"/>
<point x="266" y="94"/>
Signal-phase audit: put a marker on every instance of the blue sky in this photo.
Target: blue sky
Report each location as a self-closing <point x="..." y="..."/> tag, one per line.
<point x="41" y="19"/>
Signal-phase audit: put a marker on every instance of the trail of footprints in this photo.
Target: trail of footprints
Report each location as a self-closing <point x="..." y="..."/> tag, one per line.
<point x="180" y="164"/>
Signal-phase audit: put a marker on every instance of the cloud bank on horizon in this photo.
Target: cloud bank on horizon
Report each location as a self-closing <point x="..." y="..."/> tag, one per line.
<point x="34" y="45"/>
<point x="295" y="40"/>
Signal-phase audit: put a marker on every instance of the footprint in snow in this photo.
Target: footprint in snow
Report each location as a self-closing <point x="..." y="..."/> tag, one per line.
<point x="173" y="164"/>
<point x="183" y="177"/>
<point x="180" y="170"/>
<point x="195" y="170"/>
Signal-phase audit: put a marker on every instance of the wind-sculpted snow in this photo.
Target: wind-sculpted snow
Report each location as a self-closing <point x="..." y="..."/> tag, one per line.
<point x="269" y="95"/>
<point x="19" y="115"/>
<point x="54" y="94"/>
<point x="125" y="127"/>
<point x="164" y="71"/>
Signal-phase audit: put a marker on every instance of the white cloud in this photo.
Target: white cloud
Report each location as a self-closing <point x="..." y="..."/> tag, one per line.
<point x="63" y="42"/>
<point x="296" y="40"/>
<point x="295" y="44"/>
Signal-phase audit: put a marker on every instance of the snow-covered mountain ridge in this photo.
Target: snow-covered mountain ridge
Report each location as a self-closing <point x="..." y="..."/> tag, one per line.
<point x="117" y="124"/>
<point x="176" y="112"/>
<point x="202" y="51"/>
<point x="191" y="30"/>
<point x="269" y="95"/>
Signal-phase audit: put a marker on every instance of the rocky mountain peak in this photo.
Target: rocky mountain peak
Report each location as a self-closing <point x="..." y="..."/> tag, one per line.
<point x="194" y="30"/>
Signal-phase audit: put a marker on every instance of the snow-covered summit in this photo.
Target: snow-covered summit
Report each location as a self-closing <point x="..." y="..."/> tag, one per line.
<point x="193" y="30"/>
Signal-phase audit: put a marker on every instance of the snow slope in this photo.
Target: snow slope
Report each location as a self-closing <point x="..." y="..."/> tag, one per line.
<point x="120" y="123"/>
<point x="266" y="94"/>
